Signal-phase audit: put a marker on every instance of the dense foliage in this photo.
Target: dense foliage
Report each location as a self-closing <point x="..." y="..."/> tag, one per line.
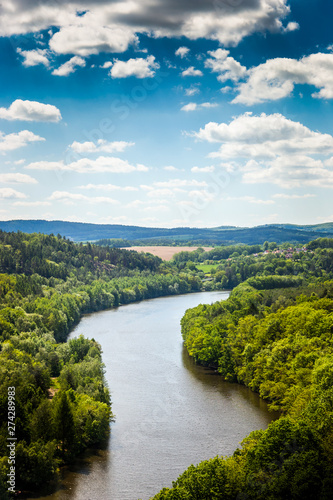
<point x="226" y="267"/>
<point x="61" y="402"/>
<point x="278" y="342"/>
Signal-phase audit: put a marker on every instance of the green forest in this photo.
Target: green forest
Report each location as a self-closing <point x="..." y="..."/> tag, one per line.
<point x="46" y="283"/>
<point x="274" y="335"/>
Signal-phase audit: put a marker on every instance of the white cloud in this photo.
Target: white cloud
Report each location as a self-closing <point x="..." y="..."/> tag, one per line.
<point x="70" y="66"/>
<point x="102" y="146"/>
<point x="292" y="26"/>
<point x="278" y="150"/>
<point x="108" y="187"/>
<point x="227" y="67"/>
<point x="71" y="198"/>
<point x="89" y="36"/>
<point x="106" y="65"/>
<point x="30" y="111"/>
<point x="276" y="78"/>
<point x="34" y="57"/>
<point x="18" y="140"/>
<point x="182" y="52"/>
<point x="110" y="26"/>
<point x="191" y="71"/>
<point x="198" y="170"/>
<point x="289" y="172"/>
<point x="264" y="136"/>
<point x="140" y="68"/>
<point x="9" y="193"/>
<point x="17" y="178"/>
<point x="85" y="165"/>
<point x="192" y="106"/>
<point x="209" y="105"/>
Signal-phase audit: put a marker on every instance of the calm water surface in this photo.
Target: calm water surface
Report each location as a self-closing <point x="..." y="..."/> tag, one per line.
<point x="169" y="412"/>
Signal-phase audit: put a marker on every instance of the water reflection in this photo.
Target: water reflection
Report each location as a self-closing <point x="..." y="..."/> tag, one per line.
<point x="211" y="378"/>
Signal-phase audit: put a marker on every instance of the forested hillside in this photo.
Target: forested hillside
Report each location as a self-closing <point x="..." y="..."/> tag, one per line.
<point x="277" y="341"/>
<point x="53" y="397"/>
<point x="223" y="235"/>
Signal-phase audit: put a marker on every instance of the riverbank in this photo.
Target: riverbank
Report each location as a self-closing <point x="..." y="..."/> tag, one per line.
<point x="156" y="393"/>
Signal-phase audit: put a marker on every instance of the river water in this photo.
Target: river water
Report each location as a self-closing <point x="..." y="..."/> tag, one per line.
<point x="169" y="413"/>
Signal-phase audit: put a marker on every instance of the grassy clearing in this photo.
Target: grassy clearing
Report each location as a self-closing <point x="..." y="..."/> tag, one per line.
<point x="206" y="268"/>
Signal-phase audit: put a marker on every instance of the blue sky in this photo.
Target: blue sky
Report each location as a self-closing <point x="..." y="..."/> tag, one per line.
<point x="167" y="113"/>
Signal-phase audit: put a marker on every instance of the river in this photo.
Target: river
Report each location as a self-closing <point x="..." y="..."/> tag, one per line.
<point x="169" y="412"/>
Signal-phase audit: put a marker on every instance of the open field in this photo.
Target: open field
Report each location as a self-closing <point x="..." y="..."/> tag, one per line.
<point x="166" y="253"/>
<point x="206" y="267"/>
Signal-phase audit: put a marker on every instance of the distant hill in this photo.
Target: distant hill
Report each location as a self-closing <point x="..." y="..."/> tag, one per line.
<point x="79" y="231"/>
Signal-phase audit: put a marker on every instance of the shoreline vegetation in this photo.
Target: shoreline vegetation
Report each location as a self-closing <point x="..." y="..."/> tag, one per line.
<point x="62" y="403"/>
<point x="273" y="334"/>
<point x="48" y="282"/>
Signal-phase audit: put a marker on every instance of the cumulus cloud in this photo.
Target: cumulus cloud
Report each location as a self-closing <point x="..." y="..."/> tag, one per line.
<point x="85" y="165"/>
<point x="30" y="111"/>
<point x="276" y="150"/>
<point x="71" y="198"/>
<point x="92" y="37"/>
<point x="264" y="136"/>
<point x="17" y="178"/>
<point x="276" y="78"/>
<point x="289" y="172"/>
<point x="18" y="140"/>
<point x="96" y="29"/>
<point x="291" y="26"/>
<point x="102" y="146"/>
<point x="140" y="68"/>
<point x="227" y="67"/>
<point x="69" y="66"/>
<point x="11" y="194"/>
<point x="191" y="71"/>
<point x="182" y="52"/>
<point x="34" y="57"/>
<point x="106" y="65"/>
